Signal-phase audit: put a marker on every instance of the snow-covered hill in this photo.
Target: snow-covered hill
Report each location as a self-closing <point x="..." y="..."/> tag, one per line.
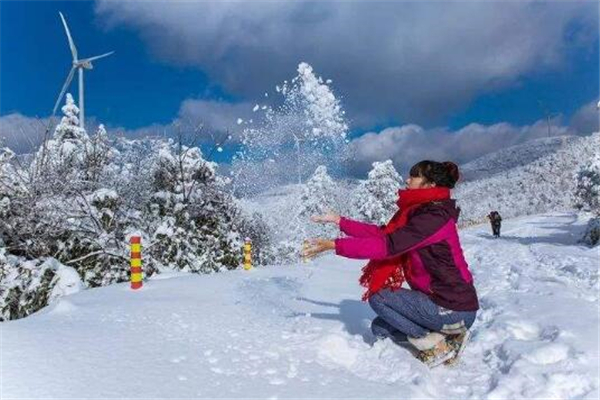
<point x="300" y="331"/>
<point x="542" y="185"/>
<point x="531" y="178"/>
<point x="513" y="156"/>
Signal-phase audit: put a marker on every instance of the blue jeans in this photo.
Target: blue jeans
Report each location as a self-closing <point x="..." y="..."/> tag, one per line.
<point x="404" y="312"/>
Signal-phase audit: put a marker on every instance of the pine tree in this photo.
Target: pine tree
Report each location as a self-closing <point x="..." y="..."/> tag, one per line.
<point x="69" y="129"/>
<point x="319" y="196"/>
<point x="587" y="197"/>
<point x="375" y="198"/>
<point x="60" y="159"/>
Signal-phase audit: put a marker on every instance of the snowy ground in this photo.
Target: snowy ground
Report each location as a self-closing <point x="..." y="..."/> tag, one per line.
<point x="301" y="331"/>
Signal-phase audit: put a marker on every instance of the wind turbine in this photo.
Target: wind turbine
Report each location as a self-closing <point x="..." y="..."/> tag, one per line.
<point x="78" y="65"/>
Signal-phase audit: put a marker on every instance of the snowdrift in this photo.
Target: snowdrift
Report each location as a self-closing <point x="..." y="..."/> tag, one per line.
<point x="300" y="331"/>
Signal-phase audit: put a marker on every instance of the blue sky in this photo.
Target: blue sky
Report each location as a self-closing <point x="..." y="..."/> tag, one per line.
<point x="446" y="65"/>
<point x="129" y="89"/>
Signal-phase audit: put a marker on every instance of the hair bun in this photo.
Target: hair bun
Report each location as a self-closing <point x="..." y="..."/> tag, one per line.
<point x="452" y="170"/>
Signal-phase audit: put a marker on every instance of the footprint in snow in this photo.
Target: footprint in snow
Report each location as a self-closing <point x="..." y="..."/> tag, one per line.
<point x="548" y="354"/>
<point x="335" y="350"/>
<point x="276" y="381"/>
<point x="292" y="371"/>
<point x="523" y="330"/>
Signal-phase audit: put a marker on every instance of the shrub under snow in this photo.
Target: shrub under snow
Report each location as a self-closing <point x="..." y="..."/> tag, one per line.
<point x="29" y="285"/>
<point x="69" y="212"/>
<point x="587" y="197"/>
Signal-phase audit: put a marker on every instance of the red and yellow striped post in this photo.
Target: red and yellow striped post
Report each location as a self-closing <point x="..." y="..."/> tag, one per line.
<point x="136" y="262"/>
<point x="247" y="254"/>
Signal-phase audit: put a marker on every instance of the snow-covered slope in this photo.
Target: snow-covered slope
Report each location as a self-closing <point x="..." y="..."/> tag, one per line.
<point x="300" y="331"/>
<point x="513" y="156"/>
<point x="532" y="178"/>
<point x="279" y="207"/>
<point x="542" y="185"/>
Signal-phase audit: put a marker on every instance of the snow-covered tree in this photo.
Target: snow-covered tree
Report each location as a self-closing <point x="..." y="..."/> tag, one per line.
<point x="319" y="196"/>
<point x="98" y="153"/>
<point x="78" y="199"/>
<point x="8" y="177"/>
<point x="68" y="128"/>
<point x="60" y="160"/>
<point x="83" y="215"/>
<point x="195" y="217"/>
<point x="6" y="155"/>
<point x="8" y="182"/>
<point x="587" y="191"/>
<point x="587" y="197"/>
<point x="375" y="198"/>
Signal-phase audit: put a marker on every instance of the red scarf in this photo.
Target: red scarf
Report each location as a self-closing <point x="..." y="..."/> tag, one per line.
<point x="390" y="272"/>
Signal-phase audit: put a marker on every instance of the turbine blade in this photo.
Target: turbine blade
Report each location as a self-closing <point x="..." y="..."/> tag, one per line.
<point x="64" y="89"/>
<point x="71" y="43"/>
<point x="96" y="57"/>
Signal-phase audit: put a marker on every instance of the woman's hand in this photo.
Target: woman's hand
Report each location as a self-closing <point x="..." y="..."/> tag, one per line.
<point x="317" y="246"/>
<point x="329" y="218"/>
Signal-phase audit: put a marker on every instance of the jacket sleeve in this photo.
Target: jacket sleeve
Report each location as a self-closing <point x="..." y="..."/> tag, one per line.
<point x="359" y="229"/>
<point x="417" y="233"/>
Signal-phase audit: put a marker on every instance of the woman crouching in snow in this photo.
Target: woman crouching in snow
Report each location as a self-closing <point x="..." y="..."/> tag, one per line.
<point x="420" y="244"/>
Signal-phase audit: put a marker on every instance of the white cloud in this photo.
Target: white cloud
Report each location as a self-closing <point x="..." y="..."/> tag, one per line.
<point x="205" y="122"/>
<point x="409" y="144"/>
<point x="405" y="144"/>
<point x="586" y="119"/>
<point x="219" y="117"/>
<point x="416" y="61"/>
<point x="21" y="133"/>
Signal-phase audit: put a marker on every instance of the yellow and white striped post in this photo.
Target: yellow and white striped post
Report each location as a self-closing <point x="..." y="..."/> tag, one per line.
<point x="247" y="254"/>
<point x="136" y="262"/>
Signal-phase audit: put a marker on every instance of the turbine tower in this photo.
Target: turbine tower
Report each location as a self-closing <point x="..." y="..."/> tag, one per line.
<point x="78" y="65"/>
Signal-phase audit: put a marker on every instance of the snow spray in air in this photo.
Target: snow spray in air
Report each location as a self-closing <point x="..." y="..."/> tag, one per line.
<point x="304" y="134"/>
<point x="288" y="141"/>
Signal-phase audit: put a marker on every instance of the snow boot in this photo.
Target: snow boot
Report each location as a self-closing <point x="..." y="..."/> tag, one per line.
<point x="458" y="342"/>
<point x="433" y="349"/>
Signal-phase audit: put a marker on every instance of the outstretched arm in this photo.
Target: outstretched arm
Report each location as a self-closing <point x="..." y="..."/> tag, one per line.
<point x="349" y="226"/>
<point x="422" y="230"/>
<point x="360" y="229"/>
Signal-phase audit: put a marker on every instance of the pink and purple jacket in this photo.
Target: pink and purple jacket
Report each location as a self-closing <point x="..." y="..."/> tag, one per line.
<point x="430" y="238"/>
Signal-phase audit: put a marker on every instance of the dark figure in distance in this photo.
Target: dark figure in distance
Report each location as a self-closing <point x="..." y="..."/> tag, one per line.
<point x="496" y="221"/>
